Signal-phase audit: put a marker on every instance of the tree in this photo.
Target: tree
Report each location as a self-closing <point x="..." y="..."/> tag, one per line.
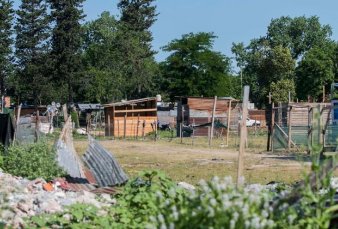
<point x="134" y="44"/>
<point x="299" y="34"/>
<point x="264" y="65"/>
<point x="194" y="69"/>
<point x="281" y="89"/>
<point x="317" y="69"/>
<point x="66" y="44"/>
<point x="6" y="41"/>
<point x="102" y="77"/>
<point x="32" y="32"/>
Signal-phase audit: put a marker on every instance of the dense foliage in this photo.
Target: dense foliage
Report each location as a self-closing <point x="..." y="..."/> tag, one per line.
<point x="31" y="161"/>
<point x="194" y="69"/>
<point x="6" y="40"/>
<point x="31" y="51"/>
<point x="59" y="56"/>
<point x="154" y="201"/>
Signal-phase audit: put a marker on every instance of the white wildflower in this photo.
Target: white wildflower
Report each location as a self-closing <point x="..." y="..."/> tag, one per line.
<point x="213" y="202"/>
<point x="232" y="224"/>
<point x="160" y="218"/>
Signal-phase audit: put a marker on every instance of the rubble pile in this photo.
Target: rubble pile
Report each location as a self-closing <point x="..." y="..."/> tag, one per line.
<point x="21" y="198"/>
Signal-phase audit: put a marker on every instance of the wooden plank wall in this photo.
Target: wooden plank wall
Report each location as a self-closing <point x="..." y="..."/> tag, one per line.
<point x="134" y="126"/>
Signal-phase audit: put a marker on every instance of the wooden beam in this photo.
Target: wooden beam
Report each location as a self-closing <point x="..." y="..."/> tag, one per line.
<point x="289" y="129"/>
<point x="135" y="111"/>
<point x="212" y="121"/>
<point x="228" y="123"/>
<point x="243" y="136"/>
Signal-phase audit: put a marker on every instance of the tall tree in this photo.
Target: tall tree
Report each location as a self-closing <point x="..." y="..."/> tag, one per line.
<point x="66" y="43"/>
<point x="32" y="30"/>
<point x="101" y="81"/>
<point x="317" y="69"/>
<point x="6" y="41"/>
<point x="134" y="43"/>
<point x="194" y="69"/>
<point x="299" y="34"/>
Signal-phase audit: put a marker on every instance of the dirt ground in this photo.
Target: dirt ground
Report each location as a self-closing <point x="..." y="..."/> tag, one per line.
<point x="184" y="162"/>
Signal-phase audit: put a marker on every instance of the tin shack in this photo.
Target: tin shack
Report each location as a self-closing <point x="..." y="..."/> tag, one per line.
<point x="197" y="112"/>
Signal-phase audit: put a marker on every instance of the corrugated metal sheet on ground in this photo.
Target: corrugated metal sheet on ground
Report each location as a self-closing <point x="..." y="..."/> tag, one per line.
<point x="68" y="160"/>
<point x="103" y="165"/>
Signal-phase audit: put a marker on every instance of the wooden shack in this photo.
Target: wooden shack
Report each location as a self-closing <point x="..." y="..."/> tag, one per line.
<point x="197" y="111"/>
<point x="133" y="118"/>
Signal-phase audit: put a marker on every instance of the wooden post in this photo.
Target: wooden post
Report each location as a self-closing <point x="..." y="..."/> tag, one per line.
<point x="181" y="132"/>
<point x="228" y="123"/>
<point x="138" y="124"/>
<point x="65" y="112"/>
<point x="243" y="136"/>
<point x="109" y="134"/>
<point x="323" y="94"/>
<point x="320" y="139"/>
<point x="272" y="125"/>
<point x="17" y="122"/>
<point x="118" y="128"/>
<point x="155" y="130"/>
<point x="125" y="126"/>
<point x="309" y="130"/>
<point x="289" y="129"/>
<point x="37" y="126"/>
<point x="114" y="122"/>
<point x="280" y="111"/>
<point x="212" y="121"/>
<point x="144" y="126"/>
<point x="193" y="132"/>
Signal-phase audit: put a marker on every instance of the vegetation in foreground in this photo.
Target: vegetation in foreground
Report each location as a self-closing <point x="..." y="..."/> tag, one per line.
<point x="154" y="201"/>
<point x="31" y="161"/>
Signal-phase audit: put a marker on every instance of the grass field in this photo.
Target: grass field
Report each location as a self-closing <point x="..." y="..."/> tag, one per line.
<point x="191" y="163"/>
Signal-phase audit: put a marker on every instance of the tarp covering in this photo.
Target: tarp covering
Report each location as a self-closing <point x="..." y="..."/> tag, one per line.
<point x="6" y="129"/>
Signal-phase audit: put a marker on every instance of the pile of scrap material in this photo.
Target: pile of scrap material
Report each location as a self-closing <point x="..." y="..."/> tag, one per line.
<point x="99" y="168"/>
<point x="103" y="165"/>
<point x="21" y="198"/>
<point x="66" y="154"/>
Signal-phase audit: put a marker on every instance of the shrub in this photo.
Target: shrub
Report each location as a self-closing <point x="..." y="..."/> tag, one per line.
<point x="31" y="161"/>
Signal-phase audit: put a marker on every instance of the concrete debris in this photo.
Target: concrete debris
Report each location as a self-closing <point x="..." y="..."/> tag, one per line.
<point x="21" y="198"/>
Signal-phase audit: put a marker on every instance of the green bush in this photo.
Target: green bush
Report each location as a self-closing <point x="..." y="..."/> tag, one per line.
<point x="31" y="161"/>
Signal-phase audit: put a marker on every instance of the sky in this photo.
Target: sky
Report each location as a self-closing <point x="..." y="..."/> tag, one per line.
<point x="230" y="20"/>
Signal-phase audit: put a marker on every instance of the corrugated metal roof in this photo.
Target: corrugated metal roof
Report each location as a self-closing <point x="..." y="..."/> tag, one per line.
<point x="130" y="102"/>
<point x="103" y="165"/>
<point x="89" y="106"/>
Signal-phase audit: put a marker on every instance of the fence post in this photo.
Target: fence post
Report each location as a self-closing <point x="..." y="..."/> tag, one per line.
<point x="125" y="126"/>
<point x="243" y="137"/>
<point x="289" y="129"/>
<point x="228" y="122"/>
<point x="272" y="125"/>
<point x="212" y="121"/>
<point x="109" y="126"/>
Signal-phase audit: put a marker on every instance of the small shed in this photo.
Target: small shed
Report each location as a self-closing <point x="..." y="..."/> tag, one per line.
<point x="197" y="111"/>
<point x="133" y="118"/>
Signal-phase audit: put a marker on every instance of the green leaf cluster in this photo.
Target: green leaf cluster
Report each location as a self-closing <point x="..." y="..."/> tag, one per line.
<point x="31" y="161"/>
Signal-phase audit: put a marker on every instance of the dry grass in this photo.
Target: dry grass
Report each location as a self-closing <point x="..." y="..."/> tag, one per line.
<point x="184" y="162"/>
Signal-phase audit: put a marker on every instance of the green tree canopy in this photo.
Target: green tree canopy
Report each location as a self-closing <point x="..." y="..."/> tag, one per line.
<point x="299" y="34"/>
<point x="317" y="69"/>
<point x="32" y="33"/>
<point x="6" y="41"/>
<point x="134" y="44"/>
<point x="102" y="77"/>
<point x="281" y="89"/>
<point x="194" y="69"/>
<point x="66" y="44"/>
